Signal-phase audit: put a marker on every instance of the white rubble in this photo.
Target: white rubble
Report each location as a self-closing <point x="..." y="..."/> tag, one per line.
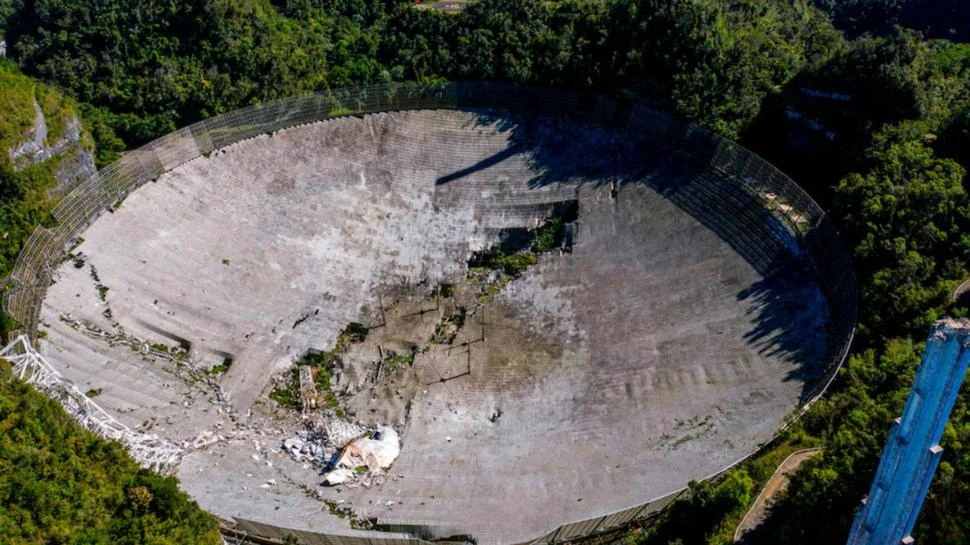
<point x="338" y="476"/>
<point x="205" y="439"/>
<point x="340" y="432"/>
<point x="377" y="452"/>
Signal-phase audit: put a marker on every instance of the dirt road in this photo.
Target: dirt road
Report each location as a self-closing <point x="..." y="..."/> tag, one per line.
<point x="776" y="485"/>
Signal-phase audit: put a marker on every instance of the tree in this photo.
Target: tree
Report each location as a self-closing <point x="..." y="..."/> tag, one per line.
<point x="908" y="221"/>
<point x="60" y="483"/>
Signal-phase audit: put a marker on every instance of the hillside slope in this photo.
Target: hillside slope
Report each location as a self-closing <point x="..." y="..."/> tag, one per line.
<point x="62" y="484"/>
<point x="44" y="150"/>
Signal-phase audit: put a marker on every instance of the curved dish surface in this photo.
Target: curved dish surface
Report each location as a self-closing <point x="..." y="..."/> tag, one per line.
<point x="651" y="353"/>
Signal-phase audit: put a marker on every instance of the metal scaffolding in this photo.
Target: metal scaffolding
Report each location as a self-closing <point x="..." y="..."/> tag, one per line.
<point x="912" y="451"/>
<point x="30" y="366"/>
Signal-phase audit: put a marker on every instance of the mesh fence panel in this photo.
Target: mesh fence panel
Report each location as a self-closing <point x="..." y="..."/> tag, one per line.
<point x="748" y="190"/>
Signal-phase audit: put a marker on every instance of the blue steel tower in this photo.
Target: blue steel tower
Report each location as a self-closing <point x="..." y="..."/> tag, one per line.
<point x="912" y="451"/>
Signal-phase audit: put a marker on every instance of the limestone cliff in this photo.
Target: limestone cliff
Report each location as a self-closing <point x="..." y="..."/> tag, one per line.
<point x="41" y="128"/>
<point x="44" y="151"/>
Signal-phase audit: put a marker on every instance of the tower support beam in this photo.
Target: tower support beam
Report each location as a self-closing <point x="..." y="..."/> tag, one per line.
<point x="913" y="452"/>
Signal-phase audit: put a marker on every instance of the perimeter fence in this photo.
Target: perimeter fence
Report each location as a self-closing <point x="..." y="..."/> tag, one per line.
<point x="755" y="207"/>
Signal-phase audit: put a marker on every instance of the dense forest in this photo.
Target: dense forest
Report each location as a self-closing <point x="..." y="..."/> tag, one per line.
<point x="866" y="103"/>
<point x="60" y="483"/>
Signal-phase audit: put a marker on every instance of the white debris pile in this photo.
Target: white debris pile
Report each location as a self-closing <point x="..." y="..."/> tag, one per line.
<point x="354" y="455"/>
<point x="310" y="446"/>
<point x="340" y="432"/>
<point x="323" y="442"/>
<point x="376" y="452"/>
<point x="365" y="459"/>
<point x="339" y="476"/>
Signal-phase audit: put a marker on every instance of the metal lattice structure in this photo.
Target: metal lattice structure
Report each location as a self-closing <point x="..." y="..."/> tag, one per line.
<point x="308" y="390"/>
<point x="30" y="366"/>
<point x="912" y="451"/>
<point x="748" y="190"/>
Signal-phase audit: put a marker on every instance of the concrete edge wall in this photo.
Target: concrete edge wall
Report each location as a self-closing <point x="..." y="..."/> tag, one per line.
<point x="794" y="211"/>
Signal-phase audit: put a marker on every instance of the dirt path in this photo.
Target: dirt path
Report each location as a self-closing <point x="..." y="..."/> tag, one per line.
<point x="776" y="485"/>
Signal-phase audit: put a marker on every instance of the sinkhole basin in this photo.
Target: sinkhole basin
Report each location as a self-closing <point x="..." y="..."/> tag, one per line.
<point x="674" y="326"/>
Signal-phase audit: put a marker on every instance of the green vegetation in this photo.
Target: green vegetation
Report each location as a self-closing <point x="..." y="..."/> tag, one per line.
<point x="515" y="258"/>
<point x="288" y="395"/>
<point x="549" y="235"/>
<point x="712" y="61"/>
<point x="323" y="379"/>
<point x="876" y="126"/>
<point x="446" y="290"/>
<point x="216" y="370"/>
<point x="354" y="332"/>
<point x="448" y="327"/>
<point x="393" y="360"/>
<point x="937" y="18"/>
<point x="513" y="264"/>
<point x="321" y="364"/>
<point x="25" y="193"/>
<point x="6" y="8"/>
<point x="688" y="521"/>
<point x="62" y="484"/>
<point x="901" y="199"/>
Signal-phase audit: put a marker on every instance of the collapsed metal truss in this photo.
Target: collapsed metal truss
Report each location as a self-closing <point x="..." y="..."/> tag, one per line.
<point x="30" y="366"/>
<point x="308" y="390"/>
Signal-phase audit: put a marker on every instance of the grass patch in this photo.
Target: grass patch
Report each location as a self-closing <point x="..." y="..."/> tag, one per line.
<point x="443" y="334"/>
<point x="549" y="236"/>
<point x="288" y="395"/>
<point x="336" y="112"/>
<point x="323" y="380"/>
<point x="445" y="291"/>
<point x="513" y="265"/>
<point x="354" y="332"/>
<point x="322" y="365"/>
<point x="221" y="368"/>
<point x="393" y="360"/>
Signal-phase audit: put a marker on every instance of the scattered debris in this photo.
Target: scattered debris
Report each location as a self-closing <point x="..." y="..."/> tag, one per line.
<point x="354" y="455"/>
<point x="205" y="439"/>
<point x="378" y="452"/>
<point x="338" y="476"/>
<point x="340" y="432"/>
<point x="148" y="450"/>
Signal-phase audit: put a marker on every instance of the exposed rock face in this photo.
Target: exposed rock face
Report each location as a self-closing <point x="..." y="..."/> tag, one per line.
<point x="76" y="161"/>
<point x="35" y="149"/>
